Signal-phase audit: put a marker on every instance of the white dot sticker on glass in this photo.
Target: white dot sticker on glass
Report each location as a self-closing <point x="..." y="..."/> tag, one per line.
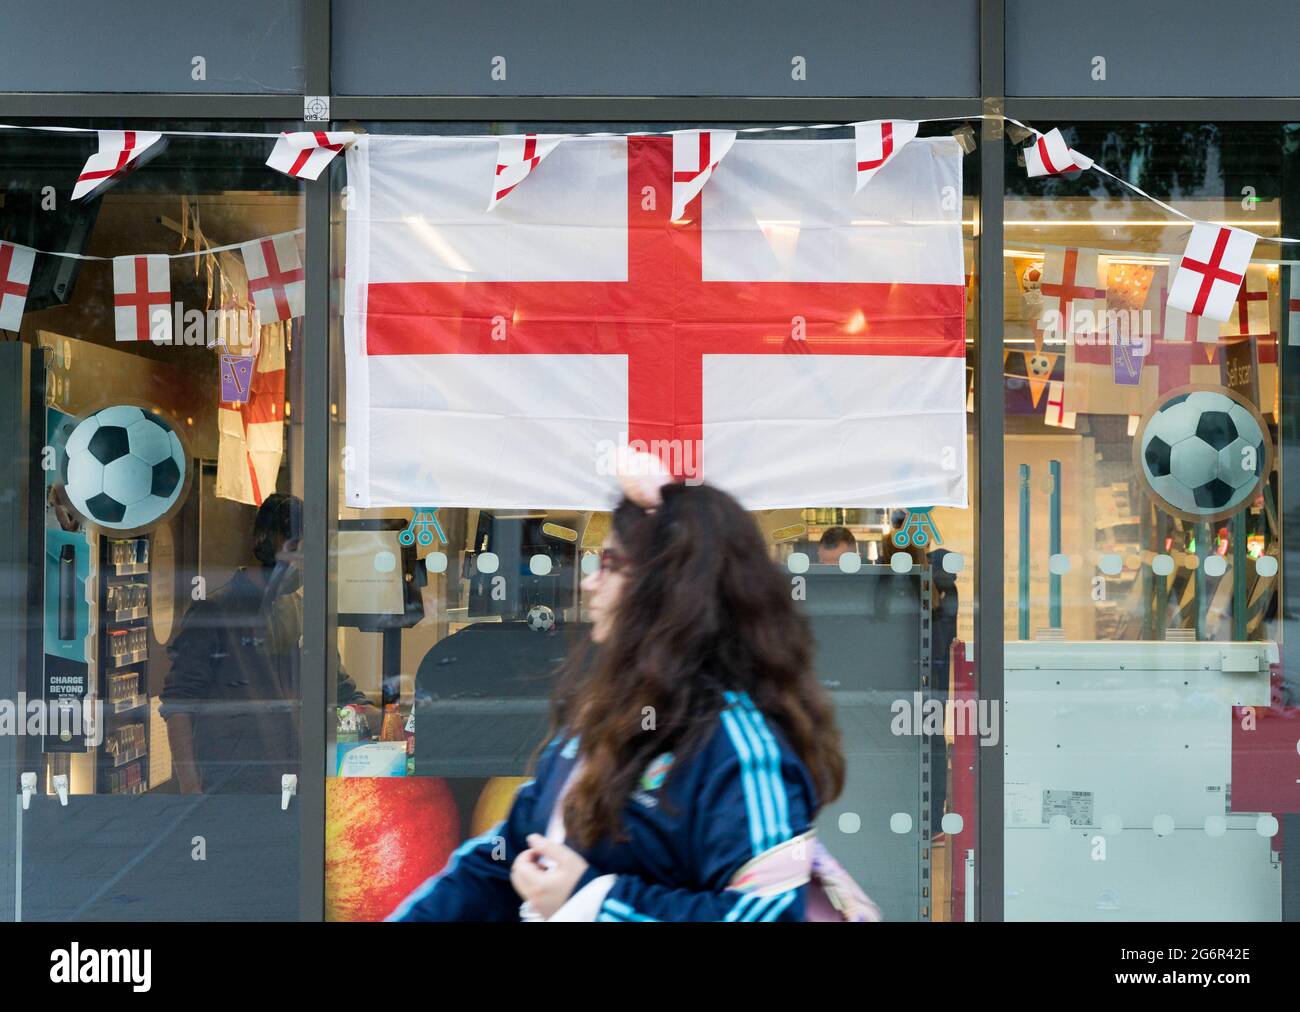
<point x="1162" y="565"/>
<point x="1266" y="825"/>
<point x="1215" y="565"/>
<point x="539" y="565"/>
<point x="1215" y="825"/>
<point x="1162" y="825"/>
<point x="952" y="823"/>
<point x="436" y="562"/>
<point x="850" y="822"/>
<point x="590" y="563"/>
<point x="1058" y="564"/>
<point x="900" y="823"/>
<point x="385" y="562"/>
<point x="850" y="562"/>
<point x="1110" y="564"/>
<point x="487" y="562"/>
<point x="798" y="562"/>
<point x="901" y="562"/>
<point x="1266" y="565"/>
<point x="953" y="562"/>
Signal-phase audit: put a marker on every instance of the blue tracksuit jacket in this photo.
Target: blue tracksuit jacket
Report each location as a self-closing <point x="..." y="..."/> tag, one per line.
<point x="740" y="793"/>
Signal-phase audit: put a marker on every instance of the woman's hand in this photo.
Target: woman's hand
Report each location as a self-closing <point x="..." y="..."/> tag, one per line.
<point x="544" y="875"/>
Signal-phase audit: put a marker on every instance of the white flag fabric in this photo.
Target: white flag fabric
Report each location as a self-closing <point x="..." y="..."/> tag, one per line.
<point x="120" y="151"/>
<point x="305" y="154"/>
<point x="15" y="278"/>
<point x="696" y="153"/>
<point x="1250" y="314"/>
<point x="1049" y="155"/>
<point x="1055" y="413"/>
<point x="793" y="343"/>
<point x="877" y="141"/>
<point x="516" y="159"/>
<point x="275" y="276"/>
<point x="142" y="298"/>
<point x="1211" y="271"/>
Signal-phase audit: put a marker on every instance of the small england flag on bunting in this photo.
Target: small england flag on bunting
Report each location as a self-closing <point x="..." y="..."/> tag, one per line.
<point x="1180" y="326"/>
<point x="305" y="154"/>
<point x="1055" y="413"/>
<point x="119" y="152"/>
<point x="516" y="159"/>
<point x="696" y="153"/>
<point x="275" y="276"/>
<point x="877" y="141"/>
<point x="15" y="276"/>
<point x="142" y="294"/>
<point x="1049" y="155"/>
<point x="1212" y="270"/>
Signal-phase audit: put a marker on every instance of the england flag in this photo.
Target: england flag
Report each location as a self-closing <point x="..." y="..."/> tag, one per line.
<point x="789" y="339"/>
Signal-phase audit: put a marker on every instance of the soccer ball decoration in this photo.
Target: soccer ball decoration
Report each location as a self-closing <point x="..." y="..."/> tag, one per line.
<point x="541" y="618"/>
<point x="124" y="468"/>
<point x="1203" y="452"/>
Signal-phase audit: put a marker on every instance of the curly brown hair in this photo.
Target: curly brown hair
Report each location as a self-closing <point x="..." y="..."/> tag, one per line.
<point x="704" y="610"/>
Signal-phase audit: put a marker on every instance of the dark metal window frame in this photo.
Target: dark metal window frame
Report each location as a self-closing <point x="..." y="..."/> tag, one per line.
<point x="320" y="449"/>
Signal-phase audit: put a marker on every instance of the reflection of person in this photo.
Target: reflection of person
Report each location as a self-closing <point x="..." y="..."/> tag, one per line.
<point x="836" y="541"/>
<point x="232" y="696"/>
<point x="697" y="739"/>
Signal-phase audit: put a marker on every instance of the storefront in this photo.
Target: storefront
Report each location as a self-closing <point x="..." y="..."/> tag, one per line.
<point x="314" y="652"/>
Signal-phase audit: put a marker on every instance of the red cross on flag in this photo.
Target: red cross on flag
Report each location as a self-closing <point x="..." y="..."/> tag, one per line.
<point x="275" y="276"/>
<point x="696" y="153"/>
<point x="516" y="159"/>
<point x="1055" y="414"/>
<point x="251" y="434"/>
<point x="1212" y="270"/>
<point x="1250" y="310"/>
<point x="877" y="141"/>
<point x="305" y="154"/>
<point x="15" y="277"/>
<point x="1180" y="326"/>
<point x="1049" y="155"/>
<point x="120" y="152"/>
<point x="1072" y="303"/>
<point x="142" y="297"/>
<point x="788" y="340"/>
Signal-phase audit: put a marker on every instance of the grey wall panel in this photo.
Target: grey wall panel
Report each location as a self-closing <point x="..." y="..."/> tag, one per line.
<point x="1177" y="48"/>
<point x="250" y="46"/>
<point x="674" y="47"/>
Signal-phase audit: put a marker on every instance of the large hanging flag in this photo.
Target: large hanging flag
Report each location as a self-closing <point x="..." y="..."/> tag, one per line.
<point x="305" y="154"/>
<point x="789" y="340"/>
<point x="142" y="298"/>
<point x="1106" y="361"/>
<point x="251" y="432"/>
<point x="696" y="153"/>
<point x="120" y="152"/>
<point x="275" y="277"/>
<point x="876" y="142"/>
<point x="15" y="278"/>
<point x="517" y="157"/>
<point x="1211" y="271"/>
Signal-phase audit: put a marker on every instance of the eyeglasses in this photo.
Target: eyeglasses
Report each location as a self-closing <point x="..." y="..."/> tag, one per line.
<point x="612" y="561"/>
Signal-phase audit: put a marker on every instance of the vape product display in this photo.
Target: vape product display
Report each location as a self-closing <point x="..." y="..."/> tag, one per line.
<point x="123" y="686"/>
<point x="67" y="592"/>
